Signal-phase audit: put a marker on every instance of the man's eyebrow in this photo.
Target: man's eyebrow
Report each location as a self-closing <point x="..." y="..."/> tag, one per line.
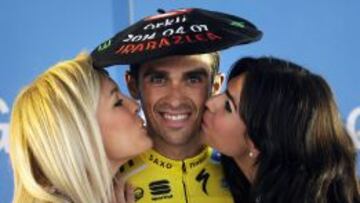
<point x="197" y="71"/>
<point x="152" y="70"/>
<point x="114" y="90"/>
<point x="230" y="97"/>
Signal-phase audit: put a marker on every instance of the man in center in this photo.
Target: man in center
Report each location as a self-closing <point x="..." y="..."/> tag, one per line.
<point x="180" y="168"/>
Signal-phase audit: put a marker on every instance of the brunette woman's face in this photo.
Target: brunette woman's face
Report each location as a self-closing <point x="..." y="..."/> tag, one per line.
<point x="222" y="127"/>
<point x="121" y="128"/>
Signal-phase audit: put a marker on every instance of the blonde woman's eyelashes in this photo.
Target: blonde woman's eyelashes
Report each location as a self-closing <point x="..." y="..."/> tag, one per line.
<point x="228" y="106"/>
<point x="119" y="103"/>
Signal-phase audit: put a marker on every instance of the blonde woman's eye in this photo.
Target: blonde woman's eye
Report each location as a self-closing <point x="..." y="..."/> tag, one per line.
<point x="119" y="103"/>
<point x="228" y="106"/>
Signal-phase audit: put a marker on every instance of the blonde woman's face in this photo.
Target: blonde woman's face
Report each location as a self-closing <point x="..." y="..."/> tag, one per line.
<point x="122" y="129"/>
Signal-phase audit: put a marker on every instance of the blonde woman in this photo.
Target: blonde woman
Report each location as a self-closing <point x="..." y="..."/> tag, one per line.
<point x="70" y="131"/>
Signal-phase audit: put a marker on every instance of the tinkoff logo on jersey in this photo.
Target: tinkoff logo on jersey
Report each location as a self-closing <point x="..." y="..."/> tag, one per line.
<point x="160" y="189"/>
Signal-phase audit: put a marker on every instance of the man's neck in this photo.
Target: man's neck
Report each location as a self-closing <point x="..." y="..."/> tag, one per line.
<point x="178" y="152"/>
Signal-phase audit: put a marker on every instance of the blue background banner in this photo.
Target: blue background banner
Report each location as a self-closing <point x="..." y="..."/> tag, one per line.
<point x="321" y="35"/>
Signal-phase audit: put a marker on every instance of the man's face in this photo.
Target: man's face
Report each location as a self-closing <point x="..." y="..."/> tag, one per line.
<point x="173" y="92"/>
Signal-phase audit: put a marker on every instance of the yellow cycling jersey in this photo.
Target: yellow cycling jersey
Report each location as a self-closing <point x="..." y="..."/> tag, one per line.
<point x="195" y="180"/>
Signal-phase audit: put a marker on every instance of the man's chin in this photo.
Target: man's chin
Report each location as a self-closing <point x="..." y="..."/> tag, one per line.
<point x="179" y="139"/>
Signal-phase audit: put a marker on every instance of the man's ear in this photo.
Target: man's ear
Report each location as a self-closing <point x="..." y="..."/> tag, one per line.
<point x="218" y="81"/>
<point x="132" y="86"/>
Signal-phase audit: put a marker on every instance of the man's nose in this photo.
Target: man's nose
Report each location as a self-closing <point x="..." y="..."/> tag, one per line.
<point x="176" y="94"/>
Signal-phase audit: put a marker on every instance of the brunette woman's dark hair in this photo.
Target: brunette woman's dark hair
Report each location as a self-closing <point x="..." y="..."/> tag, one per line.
<point x="306" y="154"/>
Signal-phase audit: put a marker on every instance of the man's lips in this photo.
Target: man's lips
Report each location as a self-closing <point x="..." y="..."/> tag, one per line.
<point x="175" y="117"/>
<point x="175" y="120"/>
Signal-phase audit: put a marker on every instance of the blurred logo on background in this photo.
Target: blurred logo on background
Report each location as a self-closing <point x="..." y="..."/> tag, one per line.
<point x="4" y="127"/>
<point x="353" y="126"/>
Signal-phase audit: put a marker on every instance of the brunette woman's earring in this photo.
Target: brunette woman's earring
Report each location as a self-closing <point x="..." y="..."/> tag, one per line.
<point x="251" y="154"/>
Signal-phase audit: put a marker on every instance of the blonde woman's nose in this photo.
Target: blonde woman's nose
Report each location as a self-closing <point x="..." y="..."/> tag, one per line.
<point x="134" y="105"/>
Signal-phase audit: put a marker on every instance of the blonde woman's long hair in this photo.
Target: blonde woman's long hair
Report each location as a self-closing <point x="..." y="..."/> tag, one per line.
<point x="56" y="149"/>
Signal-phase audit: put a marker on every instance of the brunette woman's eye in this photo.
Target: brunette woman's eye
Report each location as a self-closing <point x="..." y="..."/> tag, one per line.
<point x="228" y="106"/>
<point x="119" y="103"/>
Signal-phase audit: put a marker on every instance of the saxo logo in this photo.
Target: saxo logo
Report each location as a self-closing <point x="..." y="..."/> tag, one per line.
<point x="4" y="128"/>
<point x="352" y="127"/>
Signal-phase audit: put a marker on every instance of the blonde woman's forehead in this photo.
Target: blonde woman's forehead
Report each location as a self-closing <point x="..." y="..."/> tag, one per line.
<point x="108" y="86"/>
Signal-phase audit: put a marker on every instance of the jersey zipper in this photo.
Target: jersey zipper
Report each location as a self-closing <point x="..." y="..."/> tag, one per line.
<point x="183" y="182"/>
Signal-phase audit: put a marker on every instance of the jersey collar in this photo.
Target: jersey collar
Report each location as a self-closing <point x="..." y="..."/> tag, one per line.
<point x="155" y="159"/>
